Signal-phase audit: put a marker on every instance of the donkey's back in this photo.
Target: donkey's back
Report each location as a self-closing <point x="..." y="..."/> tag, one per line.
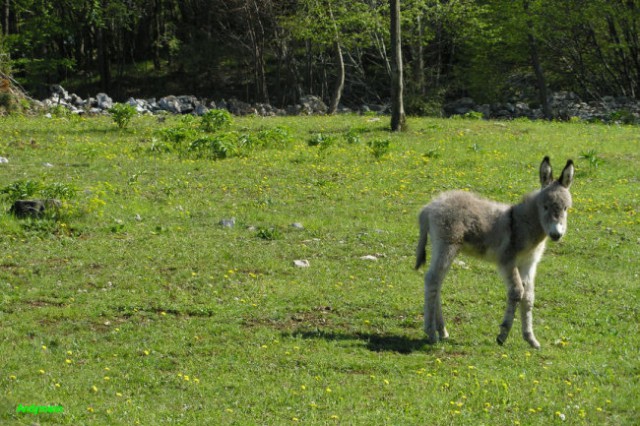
<point x="460" y="218"/>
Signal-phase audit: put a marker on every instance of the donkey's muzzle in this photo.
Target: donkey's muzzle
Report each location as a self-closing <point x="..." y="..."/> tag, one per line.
<point x="555" y="236"/>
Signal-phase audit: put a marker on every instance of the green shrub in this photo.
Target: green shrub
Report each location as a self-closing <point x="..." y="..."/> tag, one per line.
<point x="122" y="114"/>
<point x="214" y="147"/>
<point x="214" y="120"/>
<point x="321" y="140"/>
<point x="21" y="189"/>
<point x="379" y="147"/>
<point x="624" y="116"/>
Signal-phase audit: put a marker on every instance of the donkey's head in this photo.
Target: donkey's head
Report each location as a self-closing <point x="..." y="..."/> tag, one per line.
<point x="554" y="199"/>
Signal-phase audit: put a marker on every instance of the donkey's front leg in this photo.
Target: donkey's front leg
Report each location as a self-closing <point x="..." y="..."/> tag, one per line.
<point x="515" y="290"/>
<point x="527" y="274"/>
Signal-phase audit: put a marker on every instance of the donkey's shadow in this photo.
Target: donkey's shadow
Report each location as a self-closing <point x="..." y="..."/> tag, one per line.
<point x="374" y="342"/>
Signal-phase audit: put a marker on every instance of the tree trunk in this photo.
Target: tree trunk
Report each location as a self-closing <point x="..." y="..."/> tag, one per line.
<point x="339" y="85"/>
<point x="418" y="60"/>
<point x="103" y="60"/>
<point x="398" y="119"/>
<point x="537" y="67"/>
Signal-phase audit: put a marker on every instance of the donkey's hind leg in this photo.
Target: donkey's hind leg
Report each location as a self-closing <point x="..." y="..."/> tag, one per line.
<point x="515" y="291"/>
<point x="442" y="255"/>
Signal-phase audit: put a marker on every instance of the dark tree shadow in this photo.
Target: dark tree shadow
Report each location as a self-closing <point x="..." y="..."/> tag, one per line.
<point x="374" y="342"/>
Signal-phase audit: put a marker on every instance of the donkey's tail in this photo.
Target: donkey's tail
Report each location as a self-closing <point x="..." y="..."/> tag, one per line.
<point x="421" y="250"/>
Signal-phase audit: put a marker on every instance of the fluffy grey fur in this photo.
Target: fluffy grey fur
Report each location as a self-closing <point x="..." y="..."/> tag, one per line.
<point x="513" y="237"/>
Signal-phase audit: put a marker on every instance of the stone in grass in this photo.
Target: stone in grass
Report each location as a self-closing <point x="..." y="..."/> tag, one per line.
<point x="297" y="225"/>
<point x="33" y="208"/>
<point x="369" y="257"/>
<point x="228" y="223"/>
<point x="303" y="263"/>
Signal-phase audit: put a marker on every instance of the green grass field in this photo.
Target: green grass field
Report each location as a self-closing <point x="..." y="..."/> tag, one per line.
<point x="132" y="304"/>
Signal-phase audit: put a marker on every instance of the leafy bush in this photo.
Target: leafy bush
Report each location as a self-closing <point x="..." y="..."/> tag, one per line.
<point x="353" y="136"/>
<point x="59" y="190"/>
<point x="214" y="120"/>
<point x="21" y="189"/>
<point x="624" y="116"/>
<point x="7" y="102"/>
<point x="214" y="147"/>
<point x="122" y="114"/>
<point x="321" y="140"/>
<point x="277" y="137"/>
<point x="268" y="234"/>
<point x="379" y="147"/>
<point x="473" y="115"/>
<point x="592" y="158"/>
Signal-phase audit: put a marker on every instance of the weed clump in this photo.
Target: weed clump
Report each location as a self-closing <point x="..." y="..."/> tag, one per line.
<point x="122" y="114"/>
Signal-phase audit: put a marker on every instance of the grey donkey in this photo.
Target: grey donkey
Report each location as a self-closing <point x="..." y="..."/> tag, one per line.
<point x="513" y="237"/>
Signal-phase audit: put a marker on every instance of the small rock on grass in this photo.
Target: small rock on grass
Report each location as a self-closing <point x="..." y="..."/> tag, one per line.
<point x="368" y="257"/>
<point x="302" y="263"/>
<point x="227" y="223"/>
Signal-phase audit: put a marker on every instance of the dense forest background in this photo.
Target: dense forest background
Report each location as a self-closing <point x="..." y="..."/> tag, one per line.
<point x="275" y="51"/>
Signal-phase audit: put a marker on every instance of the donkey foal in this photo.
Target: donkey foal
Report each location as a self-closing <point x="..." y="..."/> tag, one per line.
<point x="513" y="237"/>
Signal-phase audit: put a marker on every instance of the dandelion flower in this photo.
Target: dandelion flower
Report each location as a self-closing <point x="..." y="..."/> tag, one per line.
<point x="94" y="388"/>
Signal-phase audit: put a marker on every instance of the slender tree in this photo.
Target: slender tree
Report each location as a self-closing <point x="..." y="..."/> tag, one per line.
<point x="536" y="64"/>
<point x="398" y="119"/>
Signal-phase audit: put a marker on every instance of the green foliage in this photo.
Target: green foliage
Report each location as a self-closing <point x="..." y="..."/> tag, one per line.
<point x="354" y="136"/>
<point x="59" y="111"/>
<point x="379" y="147"/>
<point x="215" y="120"/>
<point x="268" y="234"/>
<point x="592" y="158"/>
<point x="473" y="115"/>
<point x="624" y="116"/>
<point x="7" y="103"/>
<point x="215" y="147"/>
<point x="276" y="137"/>
<point x="27" y="188"/>
<point x="21" y="189"/>
<point x="122" y="114"/>
<point x="321" y="140"/>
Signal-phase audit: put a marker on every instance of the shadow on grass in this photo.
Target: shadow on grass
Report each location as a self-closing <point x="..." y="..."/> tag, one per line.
<point x="373" y="342"/>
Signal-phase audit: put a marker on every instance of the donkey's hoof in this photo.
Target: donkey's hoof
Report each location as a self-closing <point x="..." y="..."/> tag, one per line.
<point x="501" y="339"/>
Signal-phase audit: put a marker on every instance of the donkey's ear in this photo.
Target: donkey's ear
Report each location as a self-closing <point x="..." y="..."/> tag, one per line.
<point x="566" y="178"/>
<point x="546" y="175"/>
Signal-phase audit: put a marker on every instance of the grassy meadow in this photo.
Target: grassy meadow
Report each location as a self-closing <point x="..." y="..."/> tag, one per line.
<point x="135" y="304"/>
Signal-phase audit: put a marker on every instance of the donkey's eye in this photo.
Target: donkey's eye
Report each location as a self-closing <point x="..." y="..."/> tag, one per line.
<point x="546" y="208"/>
